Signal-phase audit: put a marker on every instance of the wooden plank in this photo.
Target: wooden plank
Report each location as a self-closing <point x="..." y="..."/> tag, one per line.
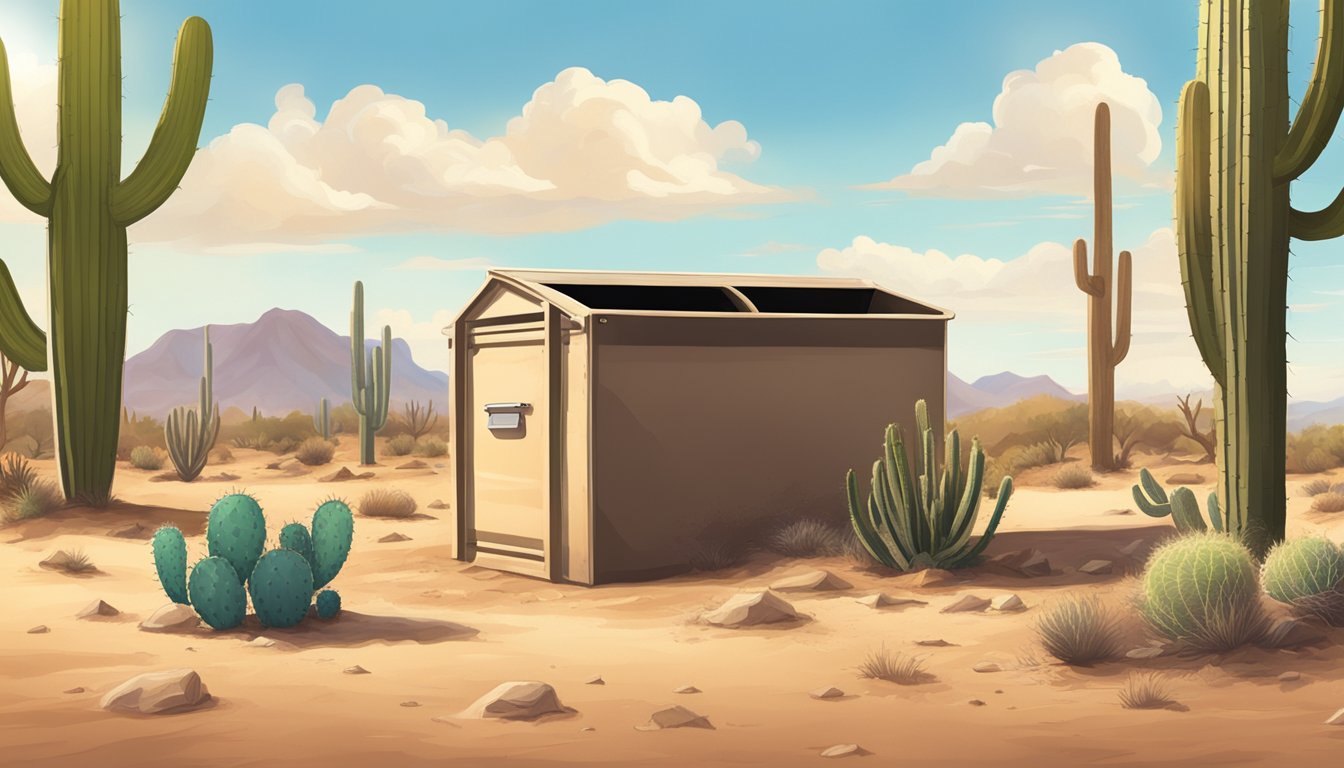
<point x="461" y="435"/>
<point x="553" y="477"/>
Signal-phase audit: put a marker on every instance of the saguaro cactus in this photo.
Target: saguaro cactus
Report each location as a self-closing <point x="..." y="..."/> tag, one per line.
<point x="370" y="376"/>
<point x="190" y="434"/>
<point x="1103" y="355"/>
<point x="89" y="206"/>
<point x="322" y="419"/>
<point x="1237" y="156"/>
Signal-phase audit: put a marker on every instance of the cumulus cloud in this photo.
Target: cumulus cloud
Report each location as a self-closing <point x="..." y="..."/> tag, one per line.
<point x="583" y="151"/>
<point x="1041" y="138"/>
<point x="1014" y="313"/>
<point x="429" y="347"/>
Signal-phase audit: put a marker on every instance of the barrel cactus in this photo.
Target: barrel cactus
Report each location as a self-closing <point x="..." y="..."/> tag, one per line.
<point x="170" y="561"/>
<point x="333" y="530"/>
<point x="236" y="531"/>
<point x="294" y="536"/>
<point x="1307" y="573"/>
<point x="1201" y="589"/>
<point x="217" y="594"/>
<point x="328" y="604"/>
<point x="281" y="588"/>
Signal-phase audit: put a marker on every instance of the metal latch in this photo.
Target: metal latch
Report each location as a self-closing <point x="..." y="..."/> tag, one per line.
<point x="505" y="415"/>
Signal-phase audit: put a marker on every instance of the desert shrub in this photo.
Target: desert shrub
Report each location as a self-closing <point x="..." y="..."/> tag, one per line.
<point x="805" y="538"/>
<point x="715" y="555"/>
<point x="270" y="433"/>
<point x="283" y="445"/>
<point x="1308" y="574"/>
<point x="16" y="474"/>
<point x="345" y="419"/>
<point x="1201" y="589"/>
<point x="1080" y="630"/>
<point x="1315" y="449"/>
<point x="314" y="452"/>
<point x="1146" y="692"/>
<point x="432" y="447"/>
<point x="1073" y="477"/>
<point x="78" y="562"/>
<point x="387" y="502"/>
<point x="1337" y="488"/>
<point x="36" y="499"/>
<point x="222" y="453"/>
<point x="1329" y="502"/>
<point x="137" y="431"/>
<point x="1315" y="487"/>
<point x="893" y="667"/>
<point x="401" y="445"/>
<point x="1029" y="457"/>
<point x="147" y="457"/>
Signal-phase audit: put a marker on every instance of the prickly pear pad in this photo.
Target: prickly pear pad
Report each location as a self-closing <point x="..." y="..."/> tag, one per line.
<point x="236" y="531"/>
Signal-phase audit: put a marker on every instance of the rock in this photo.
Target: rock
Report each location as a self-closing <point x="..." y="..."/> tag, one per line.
<point x="595" y="680"/>
<point x="675" y="717"/>
<point x="76" y="689"/>
<point x="1290" y="677"/>
<point x="1146" y="652"/>
<point x="154" y="693"/>
<point x="842" y="750"/>
<point x="1023" y="562"/>
<point x="883" y="600"/>
<point x="968" y="604"/>
<point x="1097" y="567"/>
<point x="1185" y="478"/>
<point x="414" y="464"/>
<point x="1294" y="633"/>
<point x="1133" y="548"/>
<point x="987" y="666"/>
<point x="976" y="703"/>
<point x="1118" y="512"/>
<point x="355" y="670"/>
<point x="1336" y="719"/>
<point x="132" y="531"/>
<point x="410" y="703"/>
<point x="523" y="700"/>
<point x="173" y="616"/>
<point x="40" y="629"/>
<point x="750" y="609"/>
<point x="686" y="689"/>
<point x="58" y="561"/>
<point x="1008" y="603"/>
<point x="933" y="577"/>
<point x="394" y="537"/>
<point x="97" y="608"/>
<point x="938" y="643"/>
<point x="587" y="729"/>
<point x="812" y="581"/>
<point x="437" y="504"/>
<point x="343" y="474"/>
<point x="261" y="641"/>
<point x="829" y="692"/>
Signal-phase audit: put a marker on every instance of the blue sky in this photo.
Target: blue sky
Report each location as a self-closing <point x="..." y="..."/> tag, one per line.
<point x="831" y="97"/>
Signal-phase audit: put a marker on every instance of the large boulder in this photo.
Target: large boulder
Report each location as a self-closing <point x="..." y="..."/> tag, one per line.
<point x="157" y="693"/>
<point x="525" y="700"/>
<point x="752" y="608"/>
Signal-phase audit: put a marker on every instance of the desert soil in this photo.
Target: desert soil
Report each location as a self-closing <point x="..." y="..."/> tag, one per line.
<point x="411" y="611"/>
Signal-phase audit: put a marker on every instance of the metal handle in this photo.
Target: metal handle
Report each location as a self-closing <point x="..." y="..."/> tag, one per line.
<point x="506" y="407"/>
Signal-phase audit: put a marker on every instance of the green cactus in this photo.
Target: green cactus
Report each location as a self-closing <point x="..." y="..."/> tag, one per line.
<point x="1236" y="163"/>
<point x="1307" y="573"/>
<point x="190" y="434"/>
<point x="328" y="604"/>
<point x="370" y="378"/>
<point x="282" y="588"/>
<point x="1181" y="506"/>
<point x="333" y="531"/>
<point x="294" y="536"/>
<point x="1201" y="589"/>
<point x="216" y="592"/>
<point x="88" y="206"/>
<point x="236" y="531"/>
<point x="927" y="521"/>
<point x="322" y="420"/>
<point x="170" y="562"/>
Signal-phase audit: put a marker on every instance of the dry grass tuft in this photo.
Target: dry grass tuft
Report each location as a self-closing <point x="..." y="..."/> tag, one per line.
<point x="1073" y="477"/>
<point x="1329" y="502"/>
<point x="1080" y="631"/>
<point x="401" y="445"/>
<point x="314" y="452"/>
<point x="894" y="667"/>
<point x="1149" y="691"/>
<point x="387" y="502"/>
<point x="806" y="538"/>
<point x="1315" y="487"/>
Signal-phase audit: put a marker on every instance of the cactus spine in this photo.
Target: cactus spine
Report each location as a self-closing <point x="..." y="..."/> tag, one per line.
<point x="88" y="206"/>
<point x="191" y="434"/>
<point x="1103" y="355"/>
<point x="370" y="376"/>
<point x="322" y="419"/>
<point x="1236" y="161"/>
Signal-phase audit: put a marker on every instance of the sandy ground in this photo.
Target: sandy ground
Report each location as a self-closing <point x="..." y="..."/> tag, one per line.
<point x="410" y="612"/>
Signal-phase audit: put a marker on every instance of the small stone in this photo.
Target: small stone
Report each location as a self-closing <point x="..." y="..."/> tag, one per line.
<point x="1337" y="718"/>
<point x="437" y="504"/>
<point x="1022" y="562"/>
<point x="998" y="690"/>
<point x="1118" y="512"/>
<point x="750" y="609"/>
<point x="97" y="608"/>
<point x="1145" y="652"/>
<point x="1008" y="603"/>
<point x="933" y="577"/>
<point x="394" y="537"/>
<point x="595" y="680"/>
<point x="56" y="561"/>
<point x="132" y="531"/>
<point x="1097" y="567"/>
<point x="587" y="729"/>
<point x="170" y="617"/>
<point x="829" y="692"/>
<point x="883" y="600"/>
<point x="812" y="581"/>
<point x="968" y="604"/>
<point x="410" y="703"/>
<point x="1132" y="548"/>
<point x="841" y="750"/>
<point x="76" y="689"/>
<point x="261" y="641"/>
<point x="675" y="717"/>
<point x="937" y="643"/>
<point x="414" y="464"/>
<point x="1185" y="478"/>
<point x="976" y="703"/>
<point x="686" y="689"/>
<point x="154" y="693"/>
<point x="355" y="670"/>
<point x="40" y="629"/>
<point x="522" y="700"/>
<point x="1290" y="677"/>
<point x="987" y="666"/>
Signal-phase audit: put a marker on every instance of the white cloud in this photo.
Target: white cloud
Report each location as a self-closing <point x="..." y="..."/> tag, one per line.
<point x="583" y="151"/>
<point x="428" y="345"/>
<point x="1024" y="314"/>
<point x="1041" y="139"/>
<point x="436" y="264"/>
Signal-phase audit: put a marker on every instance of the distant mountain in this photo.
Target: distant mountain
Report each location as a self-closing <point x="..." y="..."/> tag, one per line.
<point x="284" y="361"/>
<point x="999" y="390"/>
<point x="1308" y="413"/>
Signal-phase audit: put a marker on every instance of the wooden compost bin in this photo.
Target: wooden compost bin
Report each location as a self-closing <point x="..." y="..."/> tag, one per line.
<point x="614" y="426"/>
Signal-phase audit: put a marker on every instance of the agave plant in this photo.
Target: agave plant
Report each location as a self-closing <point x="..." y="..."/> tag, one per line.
<point x="926" y="522"/>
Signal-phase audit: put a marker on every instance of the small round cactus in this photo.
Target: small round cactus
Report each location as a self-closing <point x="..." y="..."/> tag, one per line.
<point x="1307" y="573"/>
<point x="281" y="588"/>
<point x="295" y="536"/>
<point x="328" y="603"/>
<point x="170" y="562"/>
<point x="236" y="531"/>
<point x="333" y="530"/>
<point x="1201" y="589"/>
<point x="217" y="593"/>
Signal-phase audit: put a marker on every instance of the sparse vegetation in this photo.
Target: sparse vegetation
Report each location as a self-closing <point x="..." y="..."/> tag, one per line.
<point x="715" y="555"/>
<point x="1315" y="487"/>
<point x="1080" y="630"/>
<point x="1316" y="449"/>
<point x="1073" y="478"/>
<point x="401" y="445"/>
<point x="1329" y="502"/>
<point x="223" y="454"/>
<point x="418" y="420"/>
<point x="1201" y="590"/>
<point x="1149" y="691"/>
<point x="77" y="562"/>
<point x="315" y="451"/>
<point x="270" y="433"/>
<point x="432" y="447"/>
<point x="893" y="667"/>
<point x="387" y="502"/>
<point x="24" y="495"/>
<point x="806" y="538"/>
<point x="147" y="457"/>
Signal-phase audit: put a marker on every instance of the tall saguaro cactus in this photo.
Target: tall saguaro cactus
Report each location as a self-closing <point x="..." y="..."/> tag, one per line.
<point x="1237" y="156"/>
<point x="1103" y="355"/>
<point x="370" y="377"/>
<point x="88" y="206"/>
<point x="190" y="434"/>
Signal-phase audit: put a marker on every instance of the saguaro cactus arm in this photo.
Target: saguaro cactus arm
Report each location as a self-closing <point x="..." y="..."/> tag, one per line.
<point x="1087" y="283"/>
<point x="1325" y="224"/>
<point x="20" y="338"/>
<point x="17" y="168"/>
<point x="1124" y="286"/>
<point x="1194" y="236"/>
<point x="1319" y="111"/>
<point x="174" y="142"/>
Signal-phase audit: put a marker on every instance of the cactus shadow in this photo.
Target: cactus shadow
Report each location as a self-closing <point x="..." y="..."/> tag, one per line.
<point x="352" y="629"/>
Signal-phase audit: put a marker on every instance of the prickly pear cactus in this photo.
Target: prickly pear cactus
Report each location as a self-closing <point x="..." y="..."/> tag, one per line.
<point x="217" y="593"/>
<point x="1307" y="573"/>
<point x="333" y="530"/>
<point x="281" y="588"/>
<point x="170" y="561"/>
<point x="328" y="603"/>
<point x="294" y="536"/>
<point x="236" y="531"/>
<point x="1201" y="589"/>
